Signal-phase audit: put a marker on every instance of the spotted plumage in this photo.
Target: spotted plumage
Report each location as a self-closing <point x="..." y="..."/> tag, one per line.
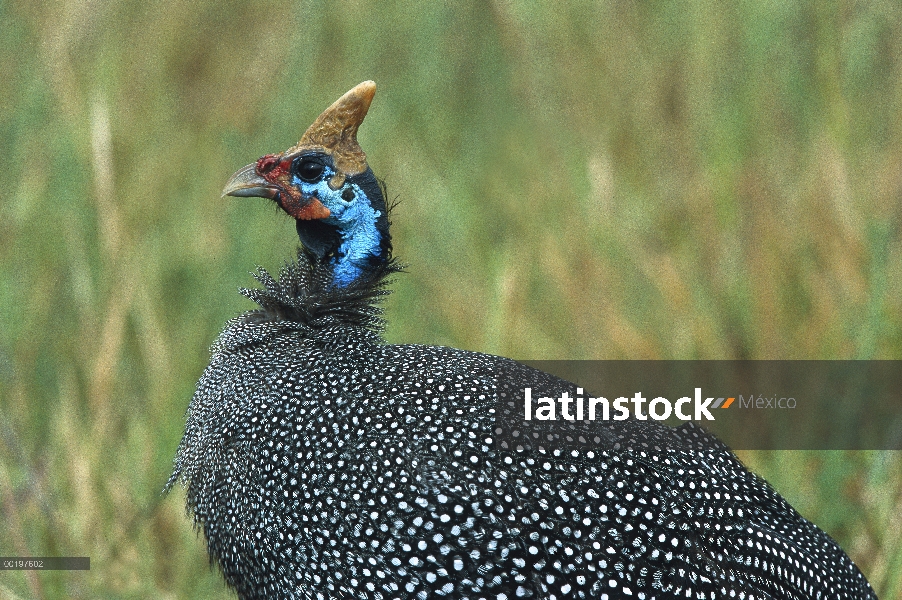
<point x="321" y="462"/>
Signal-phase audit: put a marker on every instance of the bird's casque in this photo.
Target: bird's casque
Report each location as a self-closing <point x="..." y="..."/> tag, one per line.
<point x="321" y="462"/>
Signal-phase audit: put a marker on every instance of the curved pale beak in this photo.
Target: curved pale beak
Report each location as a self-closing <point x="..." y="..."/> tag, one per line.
<point x="245" y="183"/>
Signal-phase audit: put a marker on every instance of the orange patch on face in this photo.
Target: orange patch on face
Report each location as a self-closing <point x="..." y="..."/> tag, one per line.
<point x="312" y="211"/>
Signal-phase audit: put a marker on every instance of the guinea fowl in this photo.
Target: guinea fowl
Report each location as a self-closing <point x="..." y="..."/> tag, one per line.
<point x="321" y="462"/>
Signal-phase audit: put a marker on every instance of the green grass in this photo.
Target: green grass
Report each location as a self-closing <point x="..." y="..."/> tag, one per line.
<point x="594" y="180"/>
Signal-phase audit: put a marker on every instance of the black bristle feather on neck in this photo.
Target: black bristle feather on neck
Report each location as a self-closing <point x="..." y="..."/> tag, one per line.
<point x="304" y="293"/>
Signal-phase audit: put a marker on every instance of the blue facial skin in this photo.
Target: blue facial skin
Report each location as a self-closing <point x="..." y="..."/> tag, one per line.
<point x="355" y="220"/>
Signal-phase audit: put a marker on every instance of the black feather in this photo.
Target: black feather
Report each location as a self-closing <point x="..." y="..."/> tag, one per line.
<point x="321" y="462"/>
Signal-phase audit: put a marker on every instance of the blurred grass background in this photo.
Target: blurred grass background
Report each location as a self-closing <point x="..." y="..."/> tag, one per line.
<point x="581" y="180"/>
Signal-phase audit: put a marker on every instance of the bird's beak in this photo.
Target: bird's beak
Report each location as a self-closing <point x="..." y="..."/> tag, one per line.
<point x="245" y="183"/>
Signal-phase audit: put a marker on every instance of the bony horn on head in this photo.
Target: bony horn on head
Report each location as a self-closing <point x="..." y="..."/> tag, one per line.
<point x="335" y="130"/>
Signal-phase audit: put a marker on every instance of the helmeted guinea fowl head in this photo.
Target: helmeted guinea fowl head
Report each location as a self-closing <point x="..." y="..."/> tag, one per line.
<point x="324" y="182"/>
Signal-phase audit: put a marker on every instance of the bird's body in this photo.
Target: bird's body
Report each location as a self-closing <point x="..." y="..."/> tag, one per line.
<point x="321" y="462"/>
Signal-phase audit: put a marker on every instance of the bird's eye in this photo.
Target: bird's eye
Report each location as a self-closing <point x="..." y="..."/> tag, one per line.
<point x="310" y="170"/>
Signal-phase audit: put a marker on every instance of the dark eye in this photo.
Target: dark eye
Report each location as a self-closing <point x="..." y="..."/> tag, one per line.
<point x="310" y="170"/>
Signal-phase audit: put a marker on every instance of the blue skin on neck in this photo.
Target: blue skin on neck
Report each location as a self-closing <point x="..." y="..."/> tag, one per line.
<point x="355" y="220"/>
